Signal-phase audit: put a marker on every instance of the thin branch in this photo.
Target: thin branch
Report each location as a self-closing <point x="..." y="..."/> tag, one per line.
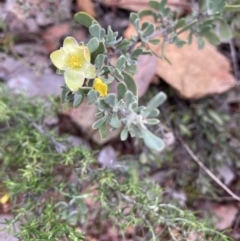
<point x="59" y="147"/>
<point x="171" y="234"/>
<point x="195" y="158"/>
<point x="234" y="59"/>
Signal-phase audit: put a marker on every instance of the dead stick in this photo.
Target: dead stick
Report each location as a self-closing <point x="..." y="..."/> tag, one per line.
<point x="234" y="59"/>
<point x="195" y="158"/>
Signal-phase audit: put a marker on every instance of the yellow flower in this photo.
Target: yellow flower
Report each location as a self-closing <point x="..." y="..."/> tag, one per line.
<point x="101" y="87"/>
<point x="75" y="61"/>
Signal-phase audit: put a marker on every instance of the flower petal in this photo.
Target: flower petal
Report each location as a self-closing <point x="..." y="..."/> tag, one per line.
<point x="83" y="51"/>
<point x="88" y="70"/>
<point x="87" y="54"/>
<point x="60" y="59"/>
<point x="101" y="87"/>
<point x="74" y="79"/>
<point x="70" y="44"/>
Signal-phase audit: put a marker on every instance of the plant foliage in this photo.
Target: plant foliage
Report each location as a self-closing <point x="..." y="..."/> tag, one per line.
<point x="50" y="182"/>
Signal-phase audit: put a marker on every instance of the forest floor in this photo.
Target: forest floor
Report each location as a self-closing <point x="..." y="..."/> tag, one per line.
<point x="199" y="124"/>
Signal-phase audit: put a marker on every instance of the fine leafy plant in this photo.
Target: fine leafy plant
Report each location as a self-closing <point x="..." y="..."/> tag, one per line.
<point x="50" y="184"/>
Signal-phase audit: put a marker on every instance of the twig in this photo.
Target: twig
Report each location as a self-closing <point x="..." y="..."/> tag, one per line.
<point x="171" y="234"/>
<point x="195" y="158"/>
<point x="59" y="147"/>
<point x="234" y="59"/>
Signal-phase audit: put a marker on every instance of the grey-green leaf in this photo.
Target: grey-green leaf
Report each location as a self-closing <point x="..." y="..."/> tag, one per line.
<point x="154" y="103"/>
<point x="77" y="100"/>
<point x="124" y="134"/>
<point x="149" y="30"/>
<point x="232" y="8"/>
<point x="181" y="22"/>
<point x="145" y="12"/>
<point x="129" y="97"/>
<point x="93" y="44"/>
<point x="65" y="92"/>
<point x="99" y="61"/>
<point x="99" y="122"/>
<point x="153" y="113"/>
<point x="121" y="62"/>
<point x="152" y="141"/>
<point x="130" y="83"/>
<point x="152" y="121"/>
<point x="95" y="30"/>
<point x="212" y="38"/>
<point x="121" y="90"/>
<point x="133" y="17"/>
<point x="92" y="96"/>
<point x="118" y="74"/>
<point x="187" y="26"/>
<point x="137" y="24"/>
<point x="154" y="4"/>
<point x="136" y="53"/>
<point x="110" y="99"/>
<point x="115" y="122"/>
<point x="84" y="90"/>
<point x="154" y="41"/>
<point x="156" y="100"/>
<point x="84" y="19"/>
<point x="124" y="45"/>
<point x="103" y="130"/>
<point x="224" y="31"/>
<point x="100" y="50"/>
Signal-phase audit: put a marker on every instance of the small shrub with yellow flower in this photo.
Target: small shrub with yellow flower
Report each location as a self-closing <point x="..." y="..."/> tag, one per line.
<point x="50" y="205"/>
<point x="89" y="73"/>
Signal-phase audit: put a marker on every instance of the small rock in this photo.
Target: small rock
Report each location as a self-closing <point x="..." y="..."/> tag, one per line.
<point x="107" y="156"/>
<point x="77" y="141"/>
<point x="4" y="235"/>
<point x="226" y="174"/>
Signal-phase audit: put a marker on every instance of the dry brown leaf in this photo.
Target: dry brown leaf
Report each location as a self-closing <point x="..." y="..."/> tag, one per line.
<point x="193" y="73"/>
<point x="138" y="5"/>
<point x="223" y="215"/>
<point x="86" y="6"/>
<point x="196" y="73"/>
<point x="51" y="37"/>
<point x="133" y="5"/>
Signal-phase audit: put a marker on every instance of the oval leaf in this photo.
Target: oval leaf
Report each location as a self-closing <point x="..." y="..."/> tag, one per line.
<point x="100" y="50"/>
<point x="130" y="83"/>
<point x="103" y="131"/>
<point x="99" y="122"/>
<point x="93" y="44"/>
<point x="124" y="134"/>
<point x="84" y="19"/>
<point x="121" y="90"/>
<point x="121" y="62"/>
<point x="77" y="101"/>
<point x="152" y="141"/>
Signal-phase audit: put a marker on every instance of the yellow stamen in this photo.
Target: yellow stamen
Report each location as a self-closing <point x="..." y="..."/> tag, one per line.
<point x="75" y="62"/>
